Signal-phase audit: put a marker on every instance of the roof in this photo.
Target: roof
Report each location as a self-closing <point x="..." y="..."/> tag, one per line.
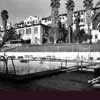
<point x="33" y="25"/>
<point x="30" y="26"/>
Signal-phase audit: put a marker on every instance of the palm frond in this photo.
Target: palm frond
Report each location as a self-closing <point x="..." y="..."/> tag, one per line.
<point x="4" y="15"/>
<point x="88" y="4"/>
<point x="55" y="3"/>
<point x="70" y="5"/>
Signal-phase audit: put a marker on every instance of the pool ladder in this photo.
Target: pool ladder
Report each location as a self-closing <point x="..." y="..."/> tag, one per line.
<point x="5" y="60"/>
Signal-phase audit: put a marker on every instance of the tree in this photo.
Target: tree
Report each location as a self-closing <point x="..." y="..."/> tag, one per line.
<point x="81" y="36"/>
<point x="88" y="4"/>
<point x="11" y="34"/>
<point x="52" y="35"/>
<point x="70" y="7"/>
<point x="77" y="22"/>
<point x="53" y="32"/>
<point x="4" y="16"/>
<point x="62" y="33"/>
<point x="45" y="35"/>
<point x="55" y="5"/>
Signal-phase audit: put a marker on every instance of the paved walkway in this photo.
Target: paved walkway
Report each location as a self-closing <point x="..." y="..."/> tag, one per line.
<point x="75" y="81"/>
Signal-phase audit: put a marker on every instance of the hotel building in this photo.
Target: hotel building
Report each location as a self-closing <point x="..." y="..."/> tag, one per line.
<point x="34" y="28"/>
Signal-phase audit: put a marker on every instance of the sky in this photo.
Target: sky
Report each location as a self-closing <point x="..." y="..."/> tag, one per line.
<point x="19" y="10"/>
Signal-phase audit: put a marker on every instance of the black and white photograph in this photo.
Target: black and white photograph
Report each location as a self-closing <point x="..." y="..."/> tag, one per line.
<point x="49" y="45"/>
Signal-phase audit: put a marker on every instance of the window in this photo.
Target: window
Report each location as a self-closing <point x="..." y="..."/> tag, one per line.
<point x="21" y="31"/>
<point x="74" y="21"/>
<point x="36" y="22"/>
<point x="49" y="19"/>
<point x="62" y="17"/>
<point x="82" y="20"/>
<point x="35" y="30"/>
<point x="28" y="31"/>
<point x="31" y="22"/>
<point x="75" y="14"/>
<point x="91" y="36"/>
<point x="82" y="12"/>
<point x="96" y="36"/>
<point x="37" y="41"/>
<point x="0" y="35"/>
<point x="20" y="57"/>
<point x="63" y="25"/>
<point x="45" y="21"/>
<point x="28" y="22"/>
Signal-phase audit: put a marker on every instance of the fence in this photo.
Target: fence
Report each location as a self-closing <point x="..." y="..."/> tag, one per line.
<point x="57" y="48"/>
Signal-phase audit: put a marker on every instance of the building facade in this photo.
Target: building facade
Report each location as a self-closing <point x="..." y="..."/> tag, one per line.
<point x="33" y="28"/>
<point x="94" y="25"/>
<point x="34" y="33"/>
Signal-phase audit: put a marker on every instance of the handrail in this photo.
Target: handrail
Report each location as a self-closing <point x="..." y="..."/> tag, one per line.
<point x="94" y="80"/>
<point x="5" y="59"/>
<point x="12" y="64"/>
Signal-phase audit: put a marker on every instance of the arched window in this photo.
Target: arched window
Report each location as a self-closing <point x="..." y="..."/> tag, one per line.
<point x="37" y="41"/>
<point x="28" y="31"/>
<point x="51" y="39"/>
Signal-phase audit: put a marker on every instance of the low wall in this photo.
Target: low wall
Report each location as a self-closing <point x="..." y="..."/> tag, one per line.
<point x="59" y="55"/>
<point x="57" y="48"/>
<point x="70" y="51"/>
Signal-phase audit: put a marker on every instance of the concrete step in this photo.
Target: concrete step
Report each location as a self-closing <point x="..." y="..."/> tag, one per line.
<point x="70" y="69"/>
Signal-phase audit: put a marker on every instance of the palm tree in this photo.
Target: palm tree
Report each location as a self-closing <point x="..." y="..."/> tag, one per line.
<point x="77" y="22"/>
<point x="88" y="5"/>
<point x="55" y="5"/>
<point x="70" y="7"/>
<point x="4" y="16"/>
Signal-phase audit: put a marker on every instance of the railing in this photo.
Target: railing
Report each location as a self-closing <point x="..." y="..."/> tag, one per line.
<point x="56" y="48"/>
<point x="95" y="80"/>
<point x="5" y="60"/>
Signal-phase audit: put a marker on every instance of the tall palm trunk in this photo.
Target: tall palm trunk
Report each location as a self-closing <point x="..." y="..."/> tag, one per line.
<point x="55" y="5"/>
<point x="88" y="4"/>
<point x="70" y="7"/>
<point x="5" y="30"/>
<point x="4" y="16"/>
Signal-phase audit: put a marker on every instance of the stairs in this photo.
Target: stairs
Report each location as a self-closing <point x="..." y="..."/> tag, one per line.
<point x="70" y="69"/>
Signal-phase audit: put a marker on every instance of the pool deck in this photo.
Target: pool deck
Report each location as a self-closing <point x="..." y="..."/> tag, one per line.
<point x="74" y="81"/>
